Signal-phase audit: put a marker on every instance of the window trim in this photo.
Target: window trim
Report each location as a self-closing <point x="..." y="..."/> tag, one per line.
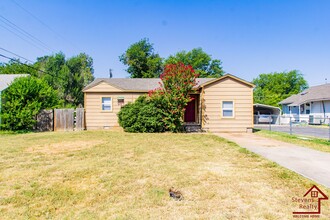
<point x="233" y="109"/>
<point x="110" y="106"/>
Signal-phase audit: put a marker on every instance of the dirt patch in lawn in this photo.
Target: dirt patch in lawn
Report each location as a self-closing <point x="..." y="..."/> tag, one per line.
<point x="63" y="147"/>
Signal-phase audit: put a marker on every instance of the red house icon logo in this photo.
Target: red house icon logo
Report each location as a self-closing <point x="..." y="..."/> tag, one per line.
<point x="313" y="194"/>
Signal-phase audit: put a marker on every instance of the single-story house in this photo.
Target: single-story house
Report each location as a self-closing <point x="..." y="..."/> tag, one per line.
<point x="223" y="104"/>
<point x="312" y="105"/>
<point x="5" y="81"/>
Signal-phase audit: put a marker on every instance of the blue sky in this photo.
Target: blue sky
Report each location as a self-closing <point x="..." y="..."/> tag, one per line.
<point x="249" y="37"/>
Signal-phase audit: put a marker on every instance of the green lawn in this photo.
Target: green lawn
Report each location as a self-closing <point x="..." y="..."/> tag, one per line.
<point x="313" y="143"/>
<point x="117" y="175"/>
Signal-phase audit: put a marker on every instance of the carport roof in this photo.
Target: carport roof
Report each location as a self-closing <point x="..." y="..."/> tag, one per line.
<point x="275" y="110"/>
<point x="265" y="106"/>
<point x="314" y="93"/>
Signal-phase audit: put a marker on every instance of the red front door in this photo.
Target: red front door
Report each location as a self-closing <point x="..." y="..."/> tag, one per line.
<point x="189" y="115"/>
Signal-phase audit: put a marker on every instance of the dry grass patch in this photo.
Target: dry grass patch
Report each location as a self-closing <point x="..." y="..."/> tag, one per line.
<point x="117" y="175"/>
<point x="63" y="147"/>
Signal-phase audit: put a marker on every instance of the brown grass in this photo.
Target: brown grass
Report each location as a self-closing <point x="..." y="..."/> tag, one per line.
<point x="63" y="146"/>
<point x="117" y="175"/>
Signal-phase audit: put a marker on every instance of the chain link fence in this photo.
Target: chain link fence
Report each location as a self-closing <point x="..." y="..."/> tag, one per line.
<point x="309" y="126"/>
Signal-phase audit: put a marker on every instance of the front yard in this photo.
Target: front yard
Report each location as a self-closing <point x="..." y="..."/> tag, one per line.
<point x="112" y="174"/>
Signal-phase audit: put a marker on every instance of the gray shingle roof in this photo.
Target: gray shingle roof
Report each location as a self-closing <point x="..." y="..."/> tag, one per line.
<point x="137" y="84"/>
<point x="314" y="93"/>
<point x="7" y="79"/>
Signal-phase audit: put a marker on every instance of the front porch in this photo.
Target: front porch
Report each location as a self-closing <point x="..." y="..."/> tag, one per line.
<point x="192" y="116"/>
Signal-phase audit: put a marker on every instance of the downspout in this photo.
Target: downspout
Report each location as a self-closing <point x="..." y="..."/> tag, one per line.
<point x="202" y="106"/>
<point x="323" y="111"/>
<point x="0" y="110"/>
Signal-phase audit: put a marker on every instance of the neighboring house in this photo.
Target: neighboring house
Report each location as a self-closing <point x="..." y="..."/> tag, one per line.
<point x="311" y="105"/>
<point x="221" y="105"/>
<point x="5" y="81"/>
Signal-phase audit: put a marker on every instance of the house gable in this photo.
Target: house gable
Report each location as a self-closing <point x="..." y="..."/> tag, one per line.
<point x="228" y="77"/>
<point x="103" y="87"/>
<point x="227" y="89"/>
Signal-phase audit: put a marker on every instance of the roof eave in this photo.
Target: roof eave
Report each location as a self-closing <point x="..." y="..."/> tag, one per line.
<point x="102" y="80"/>
<point x="226" y="76"/>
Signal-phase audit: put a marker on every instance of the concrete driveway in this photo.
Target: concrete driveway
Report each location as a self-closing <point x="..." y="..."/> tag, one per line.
<point x="310" y="163"/>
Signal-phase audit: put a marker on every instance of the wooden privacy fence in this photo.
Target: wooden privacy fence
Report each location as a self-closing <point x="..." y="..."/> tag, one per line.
<point x="61" y="120"/>
<point x="69" y="119"/>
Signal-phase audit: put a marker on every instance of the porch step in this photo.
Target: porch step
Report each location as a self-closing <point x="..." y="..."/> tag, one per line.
<point x="192" y="128"/>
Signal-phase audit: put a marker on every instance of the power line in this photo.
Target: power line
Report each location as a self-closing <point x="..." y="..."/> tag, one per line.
<point x="17" y="61"/>
<point x="23" y="32"/>
<point x="32" y="67"/>
<point x="29" y="42"/>
<point x="43" y="23"/>
<point x="16" y="54"/>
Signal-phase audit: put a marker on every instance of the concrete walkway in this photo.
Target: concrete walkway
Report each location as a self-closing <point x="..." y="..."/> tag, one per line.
<point x="310" y="163"/>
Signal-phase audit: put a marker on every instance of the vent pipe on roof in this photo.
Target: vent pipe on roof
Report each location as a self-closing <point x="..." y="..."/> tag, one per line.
<point x="110" y="73"/>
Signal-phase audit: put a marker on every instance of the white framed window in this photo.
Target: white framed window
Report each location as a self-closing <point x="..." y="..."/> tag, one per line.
<point x="227" y="109"/>
<point x="106" y="104"/>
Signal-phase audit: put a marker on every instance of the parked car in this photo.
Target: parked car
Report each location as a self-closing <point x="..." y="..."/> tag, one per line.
<point x="265" y="119"/>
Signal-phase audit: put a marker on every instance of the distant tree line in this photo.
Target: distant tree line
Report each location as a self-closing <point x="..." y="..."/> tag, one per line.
<point x="143" y="62"/>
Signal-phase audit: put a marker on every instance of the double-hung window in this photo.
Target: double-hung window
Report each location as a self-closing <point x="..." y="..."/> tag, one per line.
<point x="227" y="109"/>
<point x="106" y="104"/>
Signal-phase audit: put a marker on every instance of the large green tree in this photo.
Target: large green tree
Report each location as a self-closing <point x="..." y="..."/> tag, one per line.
<point x="67" y="76"/>
<point x="16" y="67"/>
<point x="272" y="88"/>
<point x="23" y="100"/>
<point x="81" y="73"/>
<point x="202" y="62"/>
<point x="141" y="60"/>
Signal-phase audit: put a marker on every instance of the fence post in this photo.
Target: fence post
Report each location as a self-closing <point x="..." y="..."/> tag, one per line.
<point x="290" y="126"/>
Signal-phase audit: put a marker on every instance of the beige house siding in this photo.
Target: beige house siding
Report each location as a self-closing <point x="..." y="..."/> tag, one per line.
<point x="96" y="118"/>
<point x="208" y="112"/>
<point x="228" y="89"/>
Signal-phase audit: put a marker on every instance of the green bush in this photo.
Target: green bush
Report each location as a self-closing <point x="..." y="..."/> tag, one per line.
<point x="23" y="100"/>
<point x="141" y="116"/>
<point x="163" y="109"/>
